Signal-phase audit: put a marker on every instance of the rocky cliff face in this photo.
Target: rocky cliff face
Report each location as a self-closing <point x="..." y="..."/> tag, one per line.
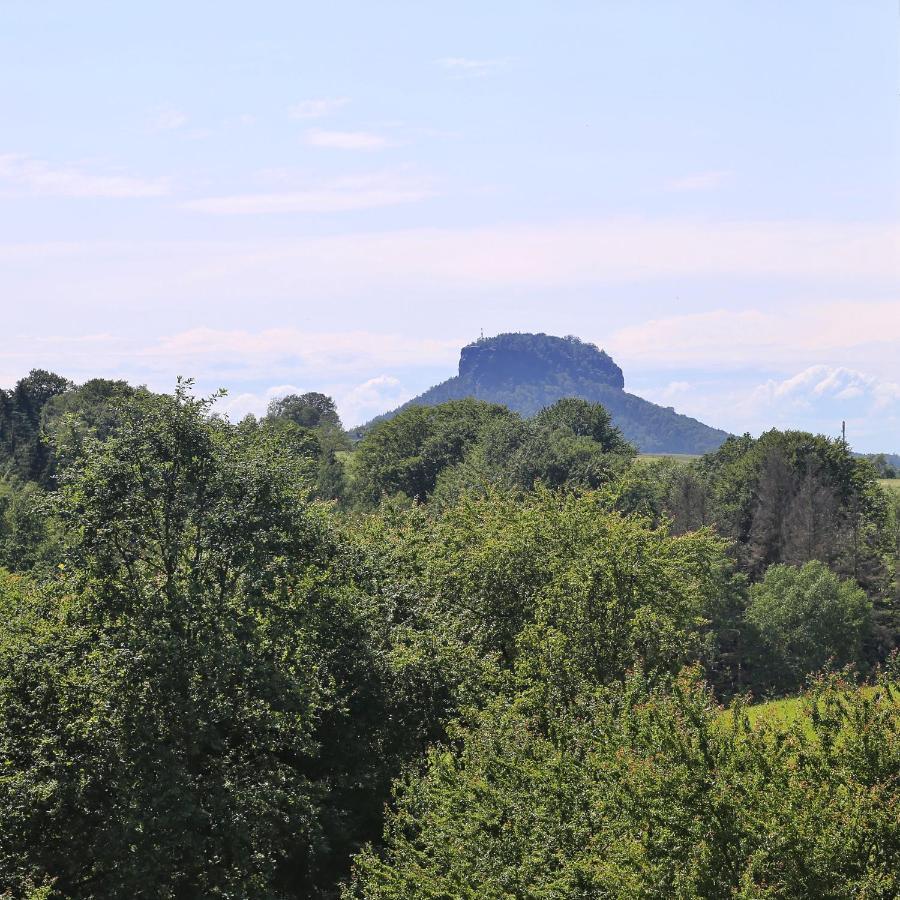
<point x="535" y="358"/>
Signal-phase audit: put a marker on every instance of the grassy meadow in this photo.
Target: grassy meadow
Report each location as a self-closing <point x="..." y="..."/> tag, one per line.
<point x="678" y="457"/>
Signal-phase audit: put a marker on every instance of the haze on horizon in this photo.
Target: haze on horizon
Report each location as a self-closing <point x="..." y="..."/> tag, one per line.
<point x="293" y="197"/>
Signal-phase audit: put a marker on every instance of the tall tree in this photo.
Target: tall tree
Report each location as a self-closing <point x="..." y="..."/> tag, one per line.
<point x="309" y="410"/>
<point x="23" y="451"/>
<point x="174" y="713"/>
<point x="807" y="617"/>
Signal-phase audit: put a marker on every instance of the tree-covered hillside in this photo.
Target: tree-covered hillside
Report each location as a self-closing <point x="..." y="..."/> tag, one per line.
<point x="527" y="372"/>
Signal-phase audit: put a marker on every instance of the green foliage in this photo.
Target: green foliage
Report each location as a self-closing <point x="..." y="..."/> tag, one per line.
<point x="315" y="449"/>
<point x="92" y="407"/>
<point x="886" y="465"/>
<point x="28" y="534"/>
<point x="571" y="444"/>
<point x="209" y="680"/>
<point x="890" y="485"/>
<point x="806" y="618"/>
<point x="561" y="587"/>
<point x="786" y="498"/>
<point x="193" y="709"/>
<point x="791" y="497"/>
<point x="407" y="453"/>
<point x="315" y="414"/>
<point x="643" y="792"/>
<point x="23" y="452"/>
<point x="310" y="410"/>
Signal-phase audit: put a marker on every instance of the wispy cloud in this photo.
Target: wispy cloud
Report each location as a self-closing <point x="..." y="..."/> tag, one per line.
<point x="356" y="403"/>
<point x="764" y="338"/>
<point x="816" y="398"/>
<point x="466" y="67"/>
<point x="340" y="195"/>
<point x="42" y="178"/>
<point x="280" y="360"/>
<point x="820" y="258"/>
<point x="823" y="383"/>
<point x="346" y="140"/>
<point x="675" y="389"/>
<point x="699" y="181"/>
<point x="167" y="118"/>
<point x="827" y="362"/>
<point x="328" y="361"/>
<point x="317" y="108"/>
<point x="282" y="350"/>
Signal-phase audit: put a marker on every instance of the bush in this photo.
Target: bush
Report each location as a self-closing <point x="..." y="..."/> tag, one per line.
<point x="652" y="793"/>
<point x="806" y="618"/>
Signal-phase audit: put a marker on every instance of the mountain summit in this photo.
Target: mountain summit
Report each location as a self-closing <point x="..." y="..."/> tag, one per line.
<point x="527" y="372"/>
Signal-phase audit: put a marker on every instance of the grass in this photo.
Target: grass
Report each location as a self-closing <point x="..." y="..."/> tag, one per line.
<point x="776" y="712"/>
<point x="781" y="714"/>
<point x="890" y="484"/>
<point x="678" y="457"/>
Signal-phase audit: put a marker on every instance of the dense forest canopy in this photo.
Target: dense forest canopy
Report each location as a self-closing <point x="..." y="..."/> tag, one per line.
<point x="473" y="654"/>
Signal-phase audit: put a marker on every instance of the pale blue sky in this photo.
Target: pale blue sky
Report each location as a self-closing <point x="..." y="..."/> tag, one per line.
<point x="337" y="196"/>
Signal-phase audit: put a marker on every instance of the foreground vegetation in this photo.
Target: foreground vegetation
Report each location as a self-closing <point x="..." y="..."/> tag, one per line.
<point x="477" y="656"/>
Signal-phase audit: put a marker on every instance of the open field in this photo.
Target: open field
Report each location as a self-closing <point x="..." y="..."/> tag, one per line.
<point x="776" y="712"/>
<point x="785" y="712"/>
<point x="779" y="713"/>
<point x="678" y="457"/>
<point x="890" y="484"/>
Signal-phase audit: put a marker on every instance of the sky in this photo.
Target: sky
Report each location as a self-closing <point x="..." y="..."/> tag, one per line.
<point x="289" y="196"/>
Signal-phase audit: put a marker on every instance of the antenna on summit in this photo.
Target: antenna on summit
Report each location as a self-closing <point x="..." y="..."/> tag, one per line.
<point x="482" y="335"/>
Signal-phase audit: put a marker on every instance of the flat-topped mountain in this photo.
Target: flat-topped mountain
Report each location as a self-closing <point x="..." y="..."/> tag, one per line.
<point x="527" y="372"/>
<point x="511" y="359"/>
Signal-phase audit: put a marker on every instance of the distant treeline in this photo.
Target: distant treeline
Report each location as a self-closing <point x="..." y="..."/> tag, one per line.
<point x="887" y="465"/>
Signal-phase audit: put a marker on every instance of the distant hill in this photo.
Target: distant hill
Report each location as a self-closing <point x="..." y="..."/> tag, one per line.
<point x="527" y="372"/>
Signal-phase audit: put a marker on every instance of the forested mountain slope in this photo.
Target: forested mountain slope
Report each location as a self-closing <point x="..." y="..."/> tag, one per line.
<point x="527" y="372"/>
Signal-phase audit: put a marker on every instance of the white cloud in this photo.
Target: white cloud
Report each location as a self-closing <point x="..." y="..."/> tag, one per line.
<point x="296" y="360"/>
<point x="789" y="333"/>
<point x="356" y="403"/>
<point x="565" y="254"/>
<point x="675" y="389"/>
<point x="699" y="181"/>
<point x="466" y="264"/>
<point x="463" y="66"/>
<point x="817" y="398"/>
<point x="236" y="406"/>
<point x="820" y="397"/>
<point x="830" y="385"/>
<point x="371" y="398"/>
<point x="339" y="195"/>
<point x="41" y="178"/>
<point x="317" y="108"/>
<point x="346" y="140"/>
<point x="167" y="118"/>
<point x="287" y="350"/>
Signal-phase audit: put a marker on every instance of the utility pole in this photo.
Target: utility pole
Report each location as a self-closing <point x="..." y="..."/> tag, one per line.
<point x="844" y="434"/>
